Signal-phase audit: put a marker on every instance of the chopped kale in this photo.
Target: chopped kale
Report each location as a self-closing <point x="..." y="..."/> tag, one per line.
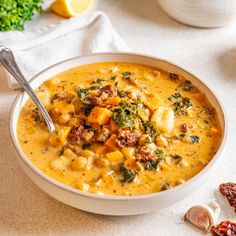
<point x="82" y="92"/>
<point x="194" y="139"/>
<point x="176" y="96"/>
<point x="187" y="86"/>
<point x="128" y="175"/>
<point x="151" y="129"/>
<point x="122" y="93"/>
<point x="86" y="145"/>
<point x="181" y="105"/>
<point x="129" y="77"/>
<point x="124" y="115"/>
<point x="61" y="152"/>
<point x="98" y="81"/>
<point x="123" y="118"/>
<point x="165" y="186"/>
<point x="152" y="165"/>
<point x="126" y="75"/>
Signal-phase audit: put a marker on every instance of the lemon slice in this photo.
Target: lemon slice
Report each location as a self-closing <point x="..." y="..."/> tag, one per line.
<point x="68" y="8"/>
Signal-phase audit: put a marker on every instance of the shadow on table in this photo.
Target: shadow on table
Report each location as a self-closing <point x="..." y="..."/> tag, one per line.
<point x="227" y="64"/>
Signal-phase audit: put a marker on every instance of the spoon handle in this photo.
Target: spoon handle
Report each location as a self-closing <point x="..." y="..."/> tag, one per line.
<point x="8" y="61"/>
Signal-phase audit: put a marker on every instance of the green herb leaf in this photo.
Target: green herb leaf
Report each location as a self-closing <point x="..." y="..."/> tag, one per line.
<point x="165" y="186"/>
<point x="152" y="165"/>
<point x="123" y="118"/>
<point x="194" y="139"/>
<point x="151" y="129"/>
<point x="128" y="175"/>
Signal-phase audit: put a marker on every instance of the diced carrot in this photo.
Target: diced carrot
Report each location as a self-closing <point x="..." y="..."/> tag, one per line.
<point x="111" y="142"/>
<point x="214" y="131"/>
<point x="100" y="116"/>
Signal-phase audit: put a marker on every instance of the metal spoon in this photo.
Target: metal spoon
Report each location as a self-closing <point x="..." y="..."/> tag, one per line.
<point x="8" y="61"/>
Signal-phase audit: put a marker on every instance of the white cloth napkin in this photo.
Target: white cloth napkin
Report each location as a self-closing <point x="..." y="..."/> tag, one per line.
<point x="50" y="39"/>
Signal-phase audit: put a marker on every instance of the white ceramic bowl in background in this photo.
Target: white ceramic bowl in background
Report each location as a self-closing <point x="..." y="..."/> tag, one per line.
<point x="201" y="13"/>
<point x="114" y="205"/>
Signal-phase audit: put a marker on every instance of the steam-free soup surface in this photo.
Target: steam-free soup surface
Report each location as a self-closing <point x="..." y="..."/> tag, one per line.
<point x="121" y="129"/>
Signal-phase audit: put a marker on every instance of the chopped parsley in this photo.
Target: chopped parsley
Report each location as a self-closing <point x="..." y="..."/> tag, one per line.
<point x="194" y="139"/>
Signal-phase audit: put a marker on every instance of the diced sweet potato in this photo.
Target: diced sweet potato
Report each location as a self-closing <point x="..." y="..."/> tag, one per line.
<point x="115" y="157"/>
<point x="111" y="142"/>
<point x="113" y="101"/>
<point x="60" y="135"/>
<point x="62" y="107"/>
<point x="100" y="116"/>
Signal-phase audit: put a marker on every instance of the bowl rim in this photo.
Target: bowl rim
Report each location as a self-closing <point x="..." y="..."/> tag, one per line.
<point x="75" y="191"/>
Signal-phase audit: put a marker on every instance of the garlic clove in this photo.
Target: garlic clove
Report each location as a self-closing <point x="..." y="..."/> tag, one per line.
<point x="202" y="216"/>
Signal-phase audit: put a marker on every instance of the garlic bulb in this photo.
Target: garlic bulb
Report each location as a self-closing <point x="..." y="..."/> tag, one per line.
<point x="202" y="216"/>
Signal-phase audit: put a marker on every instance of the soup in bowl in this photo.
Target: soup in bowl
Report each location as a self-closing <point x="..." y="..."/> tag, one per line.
<point x="127" y="127"/>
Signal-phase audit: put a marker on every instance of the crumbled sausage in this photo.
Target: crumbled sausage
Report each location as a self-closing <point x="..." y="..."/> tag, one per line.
<point x="109" y="90"/>
<point x="184" y="128"/>
<point x="144" y="154"/>
<point x="127" y="138"/>
<point x="229" y="191"/>
<point x="225" y="228"/>
<point x="76" y="133"/>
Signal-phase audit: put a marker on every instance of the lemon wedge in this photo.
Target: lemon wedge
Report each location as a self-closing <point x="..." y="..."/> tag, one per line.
<point x="68" y="8"/>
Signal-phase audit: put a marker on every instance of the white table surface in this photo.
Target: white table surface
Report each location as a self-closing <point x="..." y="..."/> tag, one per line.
<point x="208" y="53"/>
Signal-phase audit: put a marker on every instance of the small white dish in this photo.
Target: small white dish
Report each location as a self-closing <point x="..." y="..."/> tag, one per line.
<point x="115" y="205"/>
<point x="201" y="13"/>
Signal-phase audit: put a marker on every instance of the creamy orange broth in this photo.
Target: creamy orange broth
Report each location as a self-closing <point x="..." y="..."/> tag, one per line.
<point x="98" y="152"/>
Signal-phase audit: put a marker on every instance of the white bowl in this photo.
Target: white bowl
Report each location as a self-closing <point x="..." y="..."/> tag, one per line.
<point x="114" y="205"/>
<point x="201" y="13"/>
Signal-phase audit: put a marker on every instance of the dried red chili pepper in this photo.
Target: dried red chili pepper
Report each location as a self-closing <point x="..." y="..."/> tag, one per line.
<point x="225" y="228"/>
<point x="229" y="191"/>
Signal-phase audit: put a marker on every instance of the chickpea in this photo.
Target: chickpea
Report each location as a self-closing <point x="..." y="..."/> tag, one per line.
<point x="64" y="118"/>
